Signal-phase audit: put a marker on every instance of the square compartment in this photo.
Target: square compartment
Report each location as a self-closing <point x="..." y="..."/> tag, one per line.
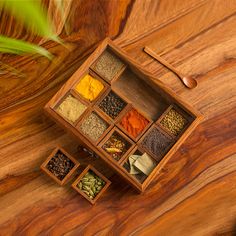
<point x="137" y="174"/>
<point x="71" y="108"/>
<point x="85" y="192"/>
<point x="124" y="144"/>
<point x="156" y="142"/>
<point x="112" y="105"/>
<point x="60" y="157"/>
<point x="108" y="66"/>
<point x="174" y="120"/>
<point x="94" y="126"/>
<point x="133" y="123"/>
<point x="90" y="87"/>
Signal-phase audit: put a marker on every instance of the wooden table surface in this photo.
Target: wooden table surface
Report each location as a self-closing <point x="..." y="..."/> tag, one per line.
<point x="195" y="194"/>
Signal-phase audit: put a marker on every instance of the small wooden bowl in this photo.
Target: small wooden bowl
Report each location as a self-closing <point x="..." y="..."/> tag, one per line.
<point x="44" y="168"/>
<point x="96" y="172"/>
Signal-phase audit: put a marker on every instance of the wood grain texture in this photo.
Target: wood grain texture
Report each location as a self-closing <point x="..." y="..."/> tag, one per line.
<point x="195" y="194"/>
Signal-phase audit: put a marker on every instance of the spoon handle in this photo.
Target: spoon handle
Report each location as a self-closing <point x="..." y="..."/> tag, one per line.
<point x="163" y="62"/>
<point x="188" y="81"/>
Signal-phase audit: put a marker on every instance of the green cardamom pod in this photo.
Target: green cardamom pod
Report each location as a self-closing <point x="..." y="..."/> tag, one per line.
<point x="91" y="193"/>
<point x="93" y="189"/>
<point x="86" y="192"/>
<point x="86" y="187"/>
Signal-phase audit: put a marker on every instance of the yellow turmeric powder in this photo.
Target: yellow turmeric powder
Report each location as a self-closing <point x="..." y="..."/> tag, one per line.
<point x="89" y="87"/>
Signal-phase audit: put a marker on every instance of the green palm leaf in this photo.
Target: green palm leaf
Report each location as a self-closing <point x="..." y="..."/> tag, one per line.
<point x="19" y="47"/>
<point x="32" y="15"/>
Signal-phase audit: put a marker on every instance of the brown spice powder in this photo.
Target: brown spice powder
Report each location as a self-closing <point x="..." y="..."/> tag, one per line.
<point x="108" y="65"/>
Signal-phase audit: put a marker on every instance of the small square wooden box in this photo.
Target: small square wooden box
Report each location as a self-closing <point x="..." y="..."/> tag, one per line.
<point x="50" y="174"/>
<point x="96" y="172"/>
<point x="137" y="88"/>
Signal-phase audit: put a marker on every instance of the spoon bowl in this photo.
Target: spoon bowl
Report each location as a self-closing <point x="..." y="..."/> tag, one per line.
<point x="189" y="82"/>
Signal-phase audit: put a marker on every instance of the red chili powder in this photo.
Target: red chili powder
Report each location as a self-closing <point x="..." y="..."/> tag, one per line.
<point x="134" y="122"/>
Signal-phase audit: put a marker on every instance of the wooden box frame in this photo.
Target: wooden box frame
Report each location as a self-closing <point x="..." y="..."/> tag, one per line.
<point x="146" y="79"/>
<point x="90" y="167"/>
<point x="44" y="168"/>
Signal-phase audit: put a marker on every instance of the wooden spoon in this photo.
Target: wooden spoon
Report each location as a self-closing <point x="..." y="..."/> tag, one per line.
<point x="188" y="81"/>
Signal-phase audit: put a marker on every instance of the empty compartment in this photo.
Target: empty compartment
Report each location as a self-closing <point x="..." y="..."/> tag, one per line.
<point x="141" y="94"/>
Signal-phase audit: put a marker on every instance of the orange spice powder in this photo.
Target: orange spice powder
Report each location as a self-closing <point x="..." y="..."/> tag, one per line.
<point x="134" y="123"/>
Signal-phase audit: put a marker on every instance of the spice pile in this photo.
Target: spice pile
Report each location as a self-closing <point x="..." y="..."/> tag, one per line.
<point x="134" y="123"/>
<point x="89" y="87"/>
<point x="174" y="122"/>
<point x="108" y="65"/>
<point x="112" y="105"/>
<point x="93" y="126"/>
<point x="116" y="146"/>
<point x="71" y="108"/>
<point x="60" y="165"/>
<point x="156" y="142"/>
<point x="91" y="184"/>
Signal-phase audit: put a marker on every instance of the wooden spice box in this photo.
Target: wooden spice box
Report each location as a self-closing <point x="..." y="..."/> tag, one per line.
<point x="97" y="173"/>
<point x="136" y="86"/>
<point x="50" y="174"/>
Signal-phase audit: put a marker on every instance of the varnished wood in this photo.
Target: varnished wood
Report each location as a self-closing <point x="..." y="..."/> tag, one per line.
<point x="195" y="193"/>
